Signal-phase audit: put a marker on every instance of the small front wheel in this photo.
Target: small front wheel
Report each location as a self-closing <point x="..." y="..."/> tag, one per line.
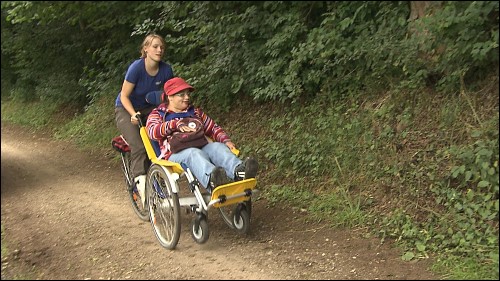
<point x="199" y="231"/>
<point x="227" y="212"/>
<point x="241" y="220"/>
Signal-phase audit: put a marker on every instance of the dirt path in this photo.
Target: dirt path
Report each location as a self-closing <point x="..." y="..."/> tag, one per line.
<point x="66" y="215"/>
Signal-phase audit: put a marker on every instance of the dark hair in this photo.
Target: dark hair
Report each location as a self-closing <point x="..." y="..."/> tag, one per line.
<point x="164" y="98"/>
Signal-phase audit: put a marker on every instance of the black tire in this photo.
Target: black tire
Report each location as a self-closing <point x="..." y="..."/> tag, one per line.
<point x="135" y="199"/>
<point x="248" y="206"/>
<point x="164" y="208"/>
<point x="227" y="212"/>
<point x="201" y="234"/>
<point x="242" y="222"/>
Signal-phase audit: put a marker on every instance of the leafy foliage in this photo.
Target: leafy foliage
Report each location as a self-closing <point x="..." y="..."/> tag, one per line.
<point x="461" y="40"/>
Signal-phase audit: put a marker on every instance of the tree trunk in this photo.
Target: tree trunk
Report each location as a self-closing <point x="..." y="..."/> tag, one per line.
<point x="420" y="9"/>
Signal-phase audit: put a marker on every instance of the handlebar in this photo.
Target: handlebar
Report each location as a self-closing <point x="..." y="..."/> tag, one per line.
<point x="140" y="119"/>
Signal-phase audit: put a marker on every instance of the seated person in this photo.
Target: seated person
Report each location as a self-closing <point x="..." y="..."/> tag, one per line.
<point x="213" y="163"/>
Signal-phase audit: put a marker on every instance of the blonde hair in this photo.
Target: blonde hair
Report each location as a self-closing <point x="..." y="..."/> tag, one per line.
<point x="147" y="42"/>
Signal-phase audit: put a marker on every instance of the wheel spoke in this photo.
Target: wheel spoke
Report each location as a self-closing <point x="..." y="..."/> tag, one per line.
<point x="141" y="211"/>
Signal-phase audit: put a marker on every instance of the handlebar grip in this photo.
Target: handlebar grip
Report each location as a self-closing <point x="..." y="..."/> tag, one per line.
<point x="139" y="119"/>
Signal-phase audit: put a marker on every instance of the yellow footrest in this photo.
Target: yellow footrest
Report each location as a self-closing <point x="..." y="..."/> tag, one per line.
<point x="234" y="192"/>
<point x="176" y="167"/>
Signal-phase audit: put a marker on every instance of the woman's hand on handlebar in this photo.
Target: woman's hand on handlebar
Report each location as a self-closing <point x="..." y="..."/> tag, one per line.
<point x="134" y="119"/>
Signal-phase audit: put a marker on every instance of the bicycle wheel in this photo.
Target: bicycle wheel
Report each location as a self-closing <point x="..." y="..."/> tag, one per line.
<point x="164" y="208"/>
<point x="125" y="166"/>
<point x="227" y="213"/>
<point x="133" y="194"/>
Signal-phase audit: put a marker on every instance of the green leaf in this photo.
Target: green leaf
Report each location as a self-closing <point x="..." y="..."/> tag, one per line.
<point x="483" y="184"/>
<point x="408" y="256"/>
<point x="420" y="246"/>
<point x="468" y="175"/>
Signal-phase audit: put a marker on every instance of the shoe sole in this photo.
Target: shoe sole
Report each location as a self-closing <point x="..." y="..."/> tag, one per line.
<point x="251" y="167"/>
<point x="219" y="177"/>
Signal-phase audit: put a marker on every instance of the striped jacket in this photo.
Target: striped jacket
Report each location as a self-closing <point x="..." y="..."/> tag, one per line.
<point x="161" y="131"/>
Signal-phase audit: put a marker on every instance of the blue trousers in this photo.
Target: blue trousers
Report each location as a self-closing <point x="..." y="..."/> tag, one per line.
<point x="202" y="161"/>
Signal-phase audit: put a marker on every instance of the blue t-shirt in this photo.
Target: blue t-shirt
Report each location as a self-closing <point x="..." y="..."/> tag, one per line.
<point x="144" y="83"/>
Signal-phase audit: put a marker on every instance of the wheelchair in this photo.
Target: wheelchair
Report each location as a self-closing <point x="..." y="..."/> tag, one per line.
<point x="171" y="186"/>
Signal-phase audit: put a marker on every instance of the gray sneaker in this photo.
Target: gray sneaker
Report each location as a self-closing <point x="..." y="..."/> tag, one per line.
<point x="218" y="177"/>
<point x="247" y="169"/>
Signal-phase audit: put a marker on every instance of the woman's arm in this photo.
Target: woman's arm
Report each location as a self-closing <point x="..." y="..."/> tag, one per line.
<point x="213" y="130"/>
<point x="127" y="89"/>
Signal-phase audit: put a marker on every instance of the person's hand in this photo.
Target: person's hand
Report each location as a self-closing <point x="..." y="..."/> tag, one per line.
<point x="233" y="148"/>
<point x="231" y="145"/>
<point x="185" y="128"/>
<point x="134" y="119"/>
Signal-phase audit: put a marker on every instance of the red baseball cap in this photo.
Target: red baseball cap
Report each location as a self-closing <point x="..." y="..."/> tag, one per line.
<point x="175" y="85"/>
